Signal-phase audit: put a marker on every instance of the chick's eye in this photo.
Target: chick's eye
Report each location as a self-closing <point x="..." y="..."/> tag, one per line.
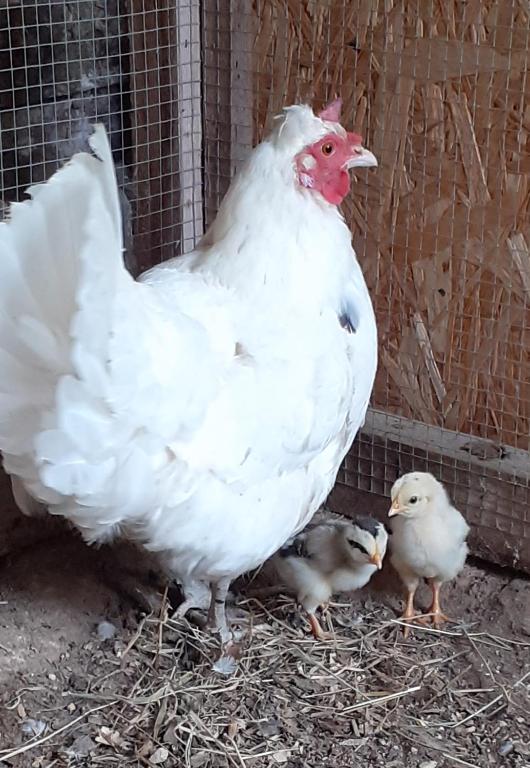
<point x="413" y="499"/>
<point x="355" y="545"/>
<point x="327" y="149"/>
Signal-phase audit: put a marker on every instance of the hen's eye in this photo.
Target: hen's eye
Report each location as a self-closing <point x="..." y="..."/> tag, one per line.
<point x="327" y="149"/>
<point x="413" y="499"/>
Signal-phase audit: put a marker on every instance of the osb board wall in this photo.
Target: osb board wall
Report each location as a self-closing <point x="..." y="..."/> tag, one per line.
<point x="440" y="91"/>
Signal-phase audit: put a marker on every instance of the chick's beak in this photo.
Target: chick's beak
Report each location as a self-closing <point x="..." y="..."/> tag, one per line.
<point x="395" y="509"/>
<point x="361" y="158"/>
<point x="376" y="560"/>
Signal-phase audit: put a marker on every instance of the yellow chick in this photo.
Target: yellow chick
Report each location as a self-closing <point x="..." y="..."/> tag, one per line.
<point x="428" y="539"/>
<point x="331" y="557"/>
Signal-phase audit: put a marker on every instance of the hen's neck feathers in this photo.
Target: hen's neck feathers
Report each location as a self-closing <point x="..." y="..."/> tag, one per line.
<point x="272" y="238"/>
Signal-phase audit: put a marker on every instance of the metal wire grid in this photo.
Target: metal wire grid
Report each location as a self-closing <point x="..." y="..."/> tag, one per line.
<point x="60" y="70"/>
<point x="65" y="65"/>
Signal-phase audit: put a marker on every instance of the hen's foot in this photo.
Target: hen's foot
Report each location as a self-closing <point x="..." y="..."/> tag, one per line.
<point x="197" y="597"/>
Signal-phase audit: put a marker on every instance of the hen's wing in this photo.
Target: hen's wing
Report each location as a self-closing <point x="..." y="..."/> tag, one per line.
<point x="97" y="376"/>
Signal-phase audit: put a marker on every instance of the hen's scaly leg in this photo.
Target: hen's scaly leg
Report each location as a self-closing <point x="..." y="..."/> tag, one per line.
<point x="217" y="614"/>
<point x="438" y="617"/>
<point x="196" y="595"/>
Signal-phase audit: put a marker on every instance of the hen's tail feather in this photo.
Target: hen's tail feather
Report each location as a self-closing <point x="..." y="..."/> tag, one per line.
<point x="89" y="359"/>
<point x="60" y="264"/>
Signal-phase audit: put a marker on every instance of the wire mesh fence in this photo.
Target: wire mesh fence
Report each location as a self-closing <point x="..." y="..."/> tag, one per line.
<point x="133" y="65"/>
<point x="439" y="91"/>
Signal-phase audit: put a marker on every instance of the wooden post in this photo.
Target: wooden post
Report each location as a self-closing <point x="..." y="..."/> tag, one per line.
<point x="228" y="88"/>
<point x="166" y="127"/>
<point x="190" y="122"/>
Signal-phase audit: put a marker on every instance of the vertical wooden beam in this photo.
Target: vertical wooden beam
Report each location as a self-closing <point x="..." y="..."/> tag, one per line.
<point x="241" y="82"/>
<point x="153" y="33"/>
<point x="228" y="94"/>
<point x="166" y="122"/>
<point x="190" y="122"/>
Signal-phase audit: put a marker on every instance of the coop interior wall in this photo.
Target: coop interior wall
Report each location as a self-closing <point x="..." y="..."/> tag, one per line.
<point x="440" y="92"/>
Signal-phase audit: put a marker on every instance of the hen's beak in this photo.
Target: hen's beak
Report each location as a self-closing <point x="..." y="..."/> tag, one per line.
<point x="376" y="560"/>
<point x="362" y="158"/>
<point x="395" y="509"/>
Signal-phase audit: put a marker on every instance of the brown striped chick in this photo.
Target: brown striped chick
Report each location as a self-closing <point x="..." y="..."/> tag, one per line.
<point x="331" y="557"/>
<point x="428" y="539"/>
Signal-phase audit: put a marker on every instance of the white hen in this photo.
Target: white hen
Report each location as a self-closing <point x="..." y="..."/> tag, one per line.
<point x="204" y="410"/>
<point x="331" y="557"/>
<point x="428" y="539"/>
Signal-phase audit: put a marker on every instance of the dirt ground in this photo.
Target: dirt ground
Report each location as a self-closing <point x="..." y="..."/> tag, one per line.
<point x="140" y="689"/>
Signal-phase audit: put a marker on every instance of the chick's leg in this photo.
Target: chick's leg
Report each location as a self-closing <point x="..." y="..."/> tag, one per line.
<point x="316" y="628"/>
<point x="310" y="604"/>
<point x="409" y="613"/>
<point x="217" y="614"/>
<point x="438" y="617"/>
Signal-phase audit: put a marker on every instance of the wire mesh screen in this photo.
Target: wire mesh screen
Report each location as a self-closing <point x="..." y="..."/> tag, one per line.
<point x="130" y="64"/>
<point x="440" y="92"/>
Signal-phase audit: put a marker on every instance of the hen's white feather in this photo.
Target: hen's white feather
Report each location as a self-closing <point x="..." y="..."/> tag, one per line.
<point x="205" y="409"/>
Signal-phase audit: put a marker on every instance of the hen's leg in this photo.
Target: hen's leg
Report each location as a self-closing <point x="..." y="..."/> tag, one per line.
<point x="196" y="595"/>
<point x="217" y="613"/>
<point x="438" y="617"/>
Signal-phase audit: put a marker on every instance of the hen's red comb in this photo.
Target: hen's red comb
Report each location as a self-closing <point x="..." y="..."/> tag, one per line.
<point x="332" y="111"/>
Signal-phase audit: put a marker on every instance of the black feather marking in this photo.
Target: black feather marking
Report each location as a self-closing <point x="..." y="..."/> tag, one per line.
<point x="367" y="524"/>
<point x="346" y="323"/>
<point x="356" y="545"/>
<point x="347" y="311"/>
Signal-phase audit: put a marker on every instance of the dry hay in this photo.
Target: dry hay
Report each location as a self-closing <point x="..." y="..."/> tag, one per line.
<point x="440" y="89"/>
<point x="454" y="698"/>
